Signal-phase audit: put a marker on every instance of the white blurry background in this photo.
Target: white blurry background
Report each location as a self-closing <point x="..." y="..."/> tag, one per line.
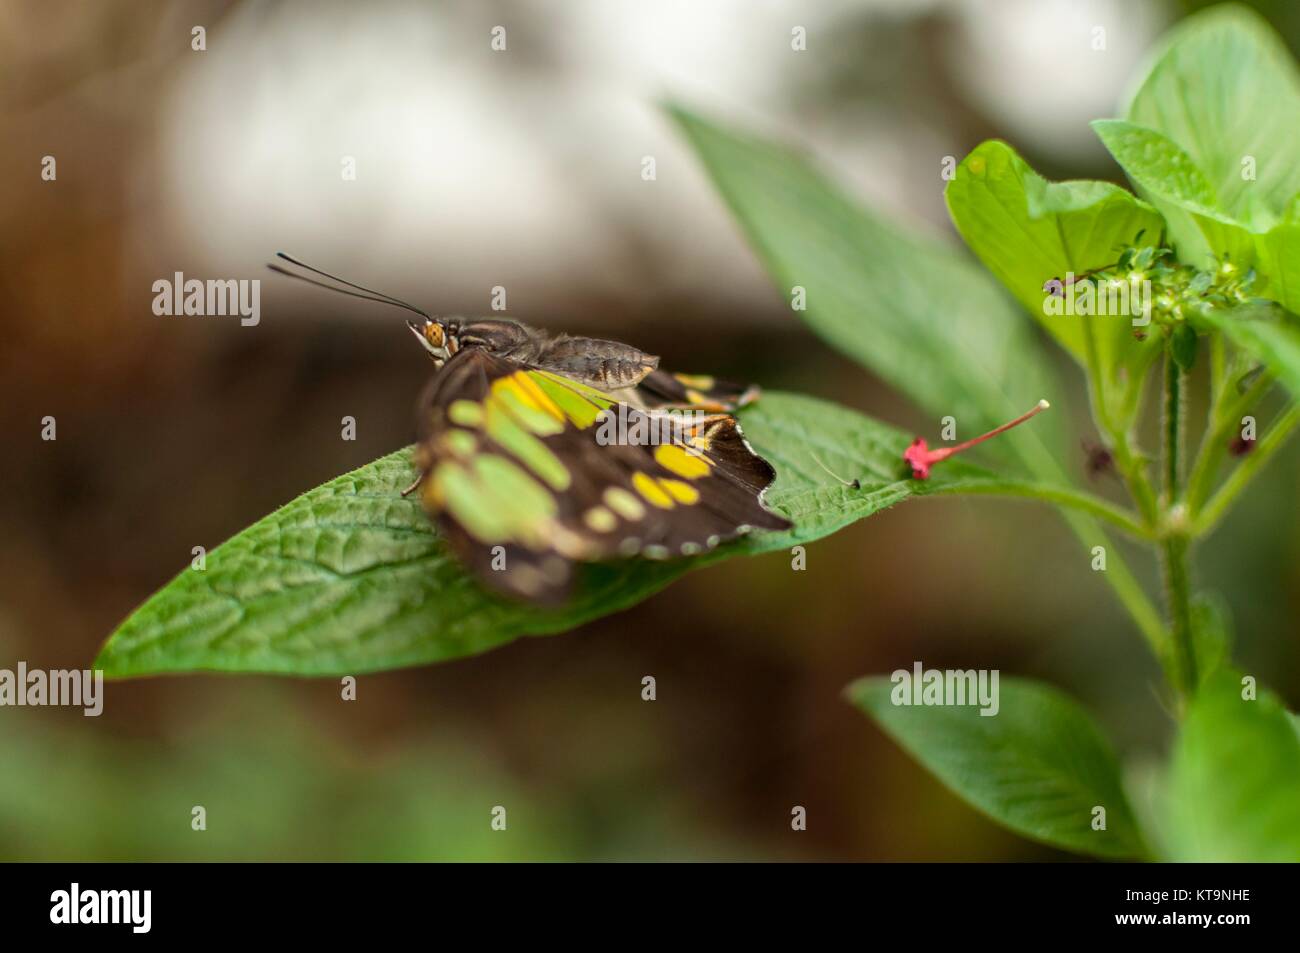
<point x="522" y="167"/>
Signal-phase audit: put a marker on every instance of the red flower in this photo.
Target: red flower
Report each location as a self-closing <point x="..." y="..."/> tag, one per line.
<point x="921" y="457"/>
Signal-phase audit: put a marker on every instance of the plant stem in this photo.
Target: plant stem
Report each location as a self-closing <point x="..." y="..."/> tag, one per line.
<point x="1133" y="470"/>
<point x="1213" y="511"/>
<point x="1174" y="543"/>
<point x="1117" y="516"/>
<point x="1129" y="464"/>
<point x="1218" y="373"/>
<point x="1173" y="430"/>
<point x="1174" y="563"/>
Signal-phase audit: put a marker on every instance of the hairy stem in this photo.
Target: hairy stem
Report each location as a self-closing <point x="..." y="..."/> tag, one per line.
<point x="1172" y="432"/>
<point x="1178" y="588"/>
<point x="1174" y="544"/>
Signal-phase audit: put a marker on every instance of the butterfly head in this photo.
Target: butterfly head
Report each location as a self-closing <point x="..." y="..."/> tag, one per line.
<point x="439" y="337"/>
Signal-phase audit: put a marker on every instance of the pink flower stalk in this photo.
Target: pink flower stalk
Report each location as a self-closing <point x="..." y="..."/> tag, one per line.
<point x="921" y="457"/>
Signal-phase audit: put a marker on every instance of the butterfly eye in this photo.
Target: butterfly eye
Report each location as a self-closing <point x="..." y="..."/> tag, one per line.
<point x="433" y="332"/>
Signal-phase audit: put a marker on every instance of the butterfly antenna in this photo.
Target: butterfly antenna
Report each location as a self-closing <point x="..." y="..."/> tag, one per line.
<point x="343" y="291"/>
<point x="370" y="293"/>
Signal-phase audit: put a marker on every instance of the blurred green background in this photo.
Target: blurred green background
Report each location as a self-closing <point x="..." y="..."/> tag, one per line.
<point x="520" y="169"/>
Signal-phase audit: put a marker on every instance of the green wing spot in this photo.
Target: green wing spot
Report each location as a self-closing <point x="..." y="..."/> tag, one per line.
<point x="523" y="503"/>
<point x="461" y="443"/>
<point x="535" y="419"/>
<point x="506" y="430"/>
<point x="466" y="413"/>
<point x="581" y="404"/>
<point x="471" y="504"/>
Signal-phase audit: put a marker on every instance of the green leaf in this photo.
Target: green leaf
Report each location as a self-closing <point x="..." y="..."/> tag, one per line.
<point x="1278" y="260"/>
<point x="1157" y="164"/>
<point x="1270" y="335"/>
<point x="351" y="577"/>
<point x="1225" y="90"/>
<point x="1168" y="178"/>
<point x="1029" y="231"/>
<point x="1234" y="782"/>
<point x="1039" y="766"/>
<point x="915" y="312"/>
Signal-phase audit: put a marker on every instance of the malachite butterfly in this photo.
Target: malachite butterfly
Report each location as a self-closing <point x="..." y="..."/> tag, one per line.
<point x="537" y="453"/>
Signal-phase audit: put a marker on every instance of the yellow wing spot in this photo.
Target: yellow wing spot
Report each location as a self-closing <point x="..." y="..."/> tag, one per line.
<point x="600" y="519"/>
<point x="624" y="503"/>
<point x="654" y="494"/>
<point x="432" y="495"/>
<point x="682" y="462"/>
<point x="696" y="381"/>
<point x="543" y="400"/>
<point x="526" y="391"/>
<point x="681" y="492"/>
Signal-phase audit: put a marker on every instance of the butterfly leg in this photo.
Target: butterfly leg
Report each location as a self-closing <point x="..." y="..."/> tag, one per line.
<point x="414" y="485"/>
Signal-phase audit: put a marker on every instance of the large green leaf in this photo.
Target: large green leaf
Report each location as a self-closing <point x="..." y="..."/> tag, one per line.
<point x="1234" y="783"/>
<point x="1225" y="90"/>
<point x="1157" y="164"/>
<point x="1028" y="231"/>
<point x="1278" y="252"/>
<point x="351" y="577"/>
<point x="1040" y="765"/>
<point x="1166" y="175"/>
<point x="913" y="311"/>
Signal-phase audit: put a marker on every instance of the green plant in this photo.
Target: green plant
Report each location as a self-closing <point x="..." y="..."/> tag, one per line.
<point x="350" y="577"/>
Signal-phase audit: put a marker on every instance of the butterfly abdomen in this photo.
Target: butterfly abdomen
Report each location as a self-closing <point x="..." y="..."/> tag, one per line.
<point x="607" y="365"/>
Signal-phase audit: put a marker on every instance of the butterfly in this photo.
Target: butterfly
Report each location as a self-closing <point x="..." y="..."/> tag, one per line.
<point x="538" y="453"/>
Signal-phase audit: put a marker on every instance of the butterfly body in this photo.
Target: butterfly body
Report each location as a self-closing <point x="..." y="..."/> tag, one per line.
<point x="597" y="363"/>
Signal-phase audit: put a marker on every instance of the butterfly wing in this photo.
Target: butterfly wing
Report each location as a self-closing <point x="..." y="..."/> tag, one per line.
<point x="662" y="389"/>
<point x="519" y="473"/>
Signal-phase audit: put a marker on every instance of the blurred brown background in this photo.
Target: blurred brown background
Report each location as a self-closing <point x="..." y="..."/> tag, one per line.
<point x="519" y="169"/>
